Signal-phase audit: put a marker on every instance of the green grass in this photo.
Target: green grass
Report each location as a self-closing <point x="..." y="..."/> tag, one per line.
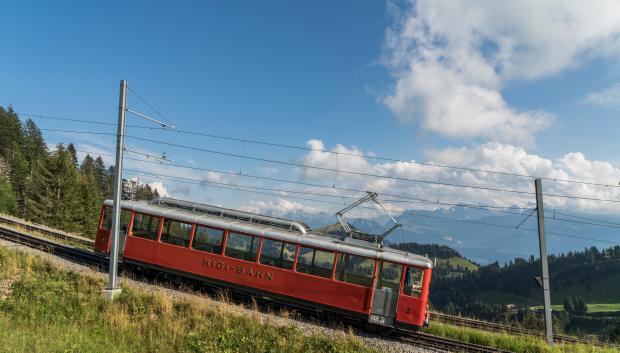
<point x="598" y="308"/>
<point x="592" y="308"/>
<point x="48" y="310"/>
<point x="597" y="302"/>
<point x="453" y="262"/>
<point x="518" y="344"/>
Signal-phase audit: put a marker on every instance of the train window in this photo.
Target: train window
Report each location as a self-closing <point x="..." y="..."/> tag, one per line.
<point x="315" y="262"/>
<point x="107" y="219"/>
<point x="145" y="226"/>
<point x="278" y="254"/>
<point x="413" y="282"/>
<point x="208" y="239"/>
<point x="241" y="246"/>
<point x="355" y="269"/>
<point x="176" y="233"/>
<point x="390" y="276"/>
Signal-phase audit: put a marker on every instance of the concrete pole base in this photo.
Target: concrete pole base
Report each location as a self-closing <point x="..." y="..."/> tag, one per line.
<point x="111" y="294"/>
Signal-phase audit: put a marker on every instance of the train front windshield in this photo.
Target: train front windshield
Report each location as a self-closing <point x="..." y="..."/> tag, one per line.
<point x="413" y="282"/>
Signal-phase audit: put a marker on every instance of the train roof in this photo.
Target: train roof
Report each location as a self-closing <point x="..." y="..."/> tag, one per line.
<point x="348" y="245"/>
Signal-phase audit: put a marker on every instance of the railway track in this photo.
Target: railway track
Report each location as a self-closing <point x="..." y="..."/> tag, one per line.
<point x="449" y="345"/>
<point x="65" y="251"/>
<point x="47" y="231"/>
<point x="495" y="327"/>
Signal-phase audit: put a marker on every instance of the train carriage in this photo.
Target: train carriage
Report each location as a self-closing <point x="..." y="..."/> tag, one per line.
<point x="272" y="257"/>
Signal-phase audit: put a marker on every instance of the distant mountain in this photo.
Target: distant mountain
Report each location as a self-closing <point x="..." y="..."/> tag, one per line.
<point x="370" y="226"/>
<point x="476" y="239"/>
<point x="335" y="230"/>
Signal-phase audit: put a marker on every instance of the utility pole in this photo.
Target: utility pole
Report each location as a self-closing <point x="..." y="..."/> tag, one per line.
<point x="543" y="260"/>
<point x="113" y="290"/>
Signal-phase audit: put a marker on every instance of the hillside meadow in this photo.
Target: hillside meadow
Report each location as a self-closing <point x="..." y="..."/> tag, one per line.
<point x="43" y="309"/>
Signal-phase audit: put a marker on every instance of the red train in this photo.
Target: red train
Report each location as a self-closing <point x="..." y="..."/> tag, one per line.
<point x="274" y="258"/>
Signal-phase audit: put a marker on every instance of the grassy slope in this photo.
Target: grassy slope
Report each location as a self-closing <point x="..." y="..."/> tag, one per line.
<point x="519" y="344"/>
<point x="454" y="262"/>
<point x="53" y="311"/>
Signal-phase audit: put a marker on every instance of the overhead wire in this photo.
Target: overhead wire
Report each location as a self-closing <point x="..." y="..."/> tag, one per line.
<point x="588" y="218"/>
<point x="280" y="145"/>
<point x="400" y="198"/>
<point x="353" y="172"/>
<point x="404" y="198"/>
<point x="300" y="165"/>
<point x="148" y="104"/>
<point x="307" y="166"/>
<point x="525" y="219"/>
<point x="412" y="213"/>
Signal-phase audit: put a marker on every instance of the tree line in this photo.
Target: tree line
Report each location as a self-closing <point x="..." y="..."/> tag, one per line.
<point x="459" y="294"/>
<point x="49" y="185"/>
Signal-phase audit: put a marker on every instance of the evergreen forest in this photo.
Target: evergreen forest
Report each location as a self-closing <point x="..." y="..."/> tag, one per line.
<point x="49" y="184"/>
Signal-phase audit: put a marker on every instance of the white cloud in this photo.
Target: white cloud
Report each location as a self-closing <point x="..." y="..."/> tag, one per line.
<point x="279" y="207"/>
<point x="159" y="186"/>
<point x="344" y="159"/>
<point x="452" y="59"/>
<point x="491" y="156"/>
<point x="609" y="97"/>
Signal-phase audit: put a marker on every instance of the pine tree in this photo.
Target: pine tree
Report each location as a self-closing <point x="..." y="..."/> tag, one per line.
<point x="18" y="176"/>
<point x="100" y="177"/>
<point x="37" y="196"/>
<point x="88" y="166"/>
<point x="11" y="149"/>
<point x="580" y="305"/>
<point x="67" y="209"/>
<point x="10" y="133"/>
<point x="568" y="304"/>
<point x="34" y="144"/>
<point x="73" y="154"/>
<point x="145" y="192"/>
<point x="7" y="197"/>
<point x="109" y="182"/>
<point x="91" y="204"/>
<point x="614" y="336"/>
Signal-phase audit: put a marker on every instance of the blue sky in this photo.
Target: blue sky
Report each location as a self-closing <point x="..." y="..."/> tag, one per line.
<point x="308" y="68"/>
<point x="355" y="73"/>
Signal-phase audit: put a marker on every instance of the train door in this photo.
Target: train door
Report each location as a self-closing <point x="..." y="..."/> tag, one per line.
<point x="385" y="298"/>
<point x="103" y="239"/>
<point x="124" y="230"/>
<point x="414" y="296"/>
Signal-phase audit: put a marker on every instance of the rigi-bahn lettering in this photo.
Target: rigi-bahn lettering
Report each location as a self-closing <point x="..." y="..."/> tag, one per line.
<point x="221" y="265"/>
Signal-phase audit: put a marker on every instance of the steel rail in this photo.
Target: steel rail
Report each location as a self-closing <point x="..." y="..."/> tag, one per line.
<point x="495" y="327"/>
<point x="65" y="251"/>
<point x="449" y="345"/>
<point x="53" y="233"/>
